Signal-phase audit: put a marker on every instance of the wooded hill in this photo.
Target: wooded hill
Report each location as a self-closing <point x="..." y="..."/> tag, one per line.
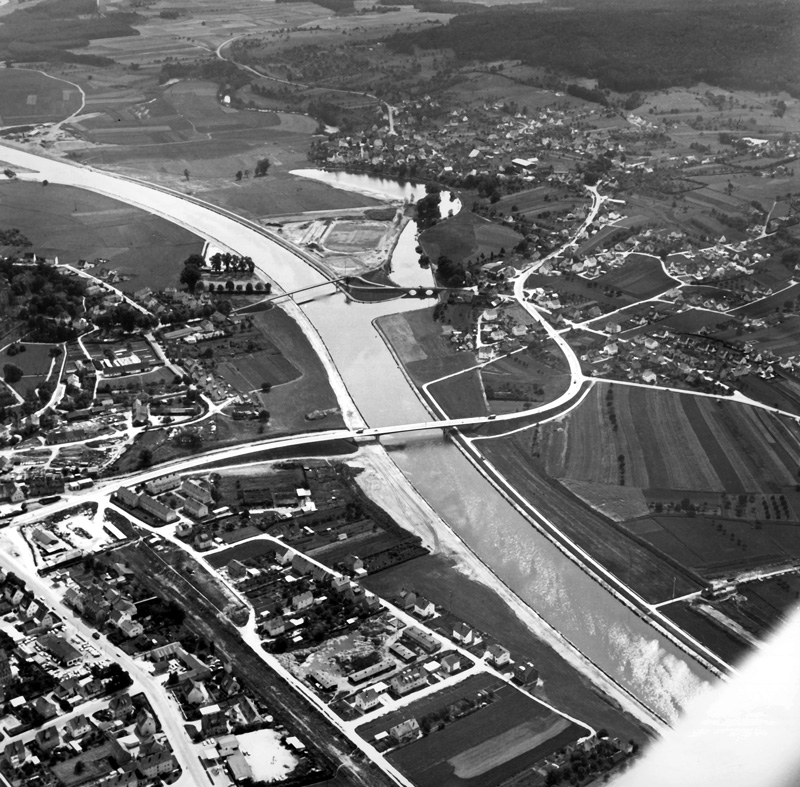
<point x="627" y="47"/>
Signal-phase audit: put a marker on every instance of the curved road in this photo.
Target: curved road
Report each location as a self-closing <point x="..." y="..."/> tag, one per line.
<point x="280" y="262"/>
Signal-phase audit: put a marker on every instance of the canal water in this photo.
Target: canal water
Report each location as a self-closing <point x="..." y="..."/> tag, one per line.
<point x="603" y="628"/>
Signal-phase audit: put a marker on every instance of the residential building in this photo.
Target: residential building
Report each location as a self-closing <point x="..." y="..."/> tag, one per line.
<point x="77" y="727"/>
<point x="405" y="731"/>
<point x="195" y="509"/>
<point x="157" y="509"/>
<point x="48" y="738"/>
<point x="422" y="639"/>
<point x="424" y="608"/>
<point x="452" y="663"/>
<point x="127" y="497"/>
<point x="156" y="764"/>
<point x="526" y="673"/>
<point x="498" y="655"/>
<point x="163" y="484"/>
<point x="408" y="681"/>
<point x="6" y="674"/>
<point x="197" y="492"/>
<point x="15" y="754"/>
<point x="384" y="665"/>
<point x="368" y="699"/>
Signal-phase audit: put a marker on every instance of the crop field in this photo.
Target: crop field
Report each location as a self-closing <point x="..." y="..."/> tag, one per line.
<point x="641" y="276"/>
<point x="185" y="111"/>
<point x="488" y="746"/>
<point x="74" y="224"/>
<point x="31" y="97"/>
<point x="654" y="439"/>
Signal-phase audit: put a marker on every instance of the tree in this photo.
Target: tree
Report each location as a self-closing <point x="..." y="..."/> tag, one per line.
<point x="266" y="387"/>
<point x="186" y="174"/>
<point x="262" y="167"/>
<point x="12" y="373"/>
<point x="238" y="176"/>
<point x="145" y="458"/>
<point x="190" y="276"/>
<point x="263" y="416"/>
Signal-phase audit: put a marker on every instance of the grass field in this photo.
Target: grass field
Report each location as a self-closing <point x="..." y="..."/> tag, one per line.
<point x="288" y="403"/>
<point x="418" y="341"/>
<point x="466" y="236"/>
<point x="524" y="379"/>
<point x="74" y="224"/>
<point x="488" y="746"/>
<point x="28" y="96"/>
<point x="715" y="547"/>
<point x="461" y="396"/>
<point x="640" y="276"/>
<point x="241" y="552"/>
<point x="35" y="364"/>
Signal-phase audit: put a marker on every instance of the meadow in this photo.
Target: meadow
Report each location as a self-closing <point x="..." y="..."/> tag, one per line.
<point x="32" y="97"/>
<point x="74" y="224"/>
<point x="522" y="733"/>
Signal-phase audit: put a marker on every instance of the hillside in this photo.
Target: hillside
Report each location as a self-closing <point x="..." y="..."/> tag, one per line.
<point x="745" y="45"/>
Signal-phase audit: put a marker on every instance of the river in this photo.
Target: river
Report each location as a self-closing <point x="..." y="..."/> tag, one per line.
<point x="608" y="632"/>
<point x="622" y="644"/>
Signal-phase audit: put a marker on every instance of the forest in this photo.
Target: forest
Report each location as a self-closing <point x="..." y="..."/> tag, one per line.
<point x="47" y="31"/>
<point x="627" y="47"/>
